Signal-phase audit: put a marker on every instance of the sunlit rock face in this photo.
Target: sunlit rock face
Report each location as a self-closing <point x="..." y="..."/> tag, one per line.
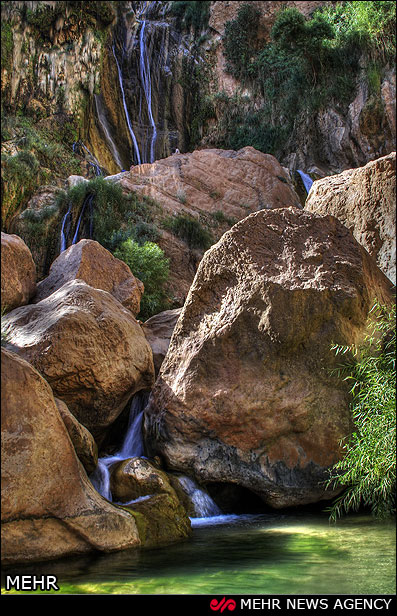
<point x="90" y="349"/>
<point x="49" y="507"/>
<point x="205" y="184"/>
<point x="89" y="261"/>
<point x="18" y="272"/>
<point x="364" y="200"/>
<point x="246" y="394"/>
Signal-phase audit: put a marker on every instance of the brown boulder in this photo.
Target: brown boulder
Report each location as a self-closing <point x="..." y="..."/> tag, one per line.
<point x="245" y="394"/>
<point x="148" y="494"/>
<point x="89" y="261"/>
<point x="89" y="348"/>
<point x="49" y="507"/>
<point x="364" y="200"/>
<point x="212" y="180"/>
<point x="18" y="272"/>
<point x="217" y="188"/>
<point x="158" y="331"/>
<point x="83" y="441"/>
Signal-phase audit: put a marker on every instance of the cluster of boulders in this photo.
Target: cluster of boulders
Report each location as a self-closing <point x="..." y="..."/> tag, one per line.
<point x="74" y="355"/>
<point x="243" y="387"/>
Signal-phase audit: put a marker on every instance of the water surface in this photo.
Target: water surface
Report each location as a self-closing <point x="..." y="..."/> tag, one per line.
<point x="259" y="554"/>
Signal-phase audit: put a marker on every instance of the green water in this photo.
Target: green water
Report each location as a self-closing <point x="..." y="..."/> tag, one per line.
<point x="300" y="554"/>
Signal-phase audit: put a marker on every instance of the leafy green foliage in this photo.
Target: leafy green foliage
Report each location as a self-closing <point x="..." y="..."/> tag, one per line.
<point x="7" y="46"/>
<point x="191" y="14"/>
<point x="190" y="230"/>
<point x="308" y="64"/>
<point x="148" y="263"/>
<point x="20" y="177"/>
<point x="239" y="40"/>
<point x="368" y="470"/>
<point x="116" y="216"/>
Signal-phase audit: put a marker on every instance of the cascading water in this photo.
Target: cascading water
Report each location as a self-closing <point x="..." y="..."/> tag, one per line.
<point x="127" y="115"/>
<point x="143" y="51"/>
<point x="132" y="446"/>
<point x="147" y="85"/>
<point x="88" y="201"/>
<point x="306" y="179"/>
<point x="63" y="232"/>
<point x="203" y="504"/>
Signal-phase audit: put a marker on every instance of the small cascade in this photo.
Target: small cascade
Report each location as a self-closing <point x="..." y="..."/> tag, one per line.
<point x="306" y="179"/>
<point x="63" y="233"/>
<point x="127" y="115"/>
<point x="132" y="446"/>
<point x="204" y="506"/>
<point x="87" y="201"/>
<point x="147" y="85"/>
<point x="78" y="145"/>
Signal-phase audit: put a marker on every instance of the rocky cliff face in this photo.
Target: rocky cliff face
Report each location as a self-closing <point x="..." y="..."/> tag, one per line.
<point x="140" y="82"/>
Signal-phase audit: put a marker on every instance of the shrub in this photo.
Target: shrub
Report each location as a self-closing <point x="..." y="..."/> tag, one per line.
<point x="114" y="214"/>
<point x="309" y="63"/>
<point x="191" y="14"/>
<point x="20" y="177"/>
<point x="368" y="470"/>
<point x="148" y="263"/>
<point x="239" y="40"/>
<point x="190" y="230"/>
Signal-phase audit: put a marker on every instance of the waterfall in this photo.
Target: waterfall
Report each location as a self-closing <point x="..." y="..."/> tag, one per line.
<point x="147" y="85"/>
<point x="131" y="447"/>
<point x="127" y="116"/>
<point x="306" y="179"/>
<point x="204" y="506"/>
<point x="106" y="129"/>
<point x="88" y="200"/>
<point x="63" y="234"/>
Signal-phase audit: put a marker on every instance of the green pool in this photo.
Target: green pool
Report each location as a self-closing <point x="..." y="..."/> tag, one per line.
<point x="261" y="554"/>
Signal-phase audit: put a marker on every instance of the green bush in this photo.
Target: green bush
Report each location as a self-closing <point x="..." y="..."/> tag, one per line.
<point x="309" y="63"/>
<point x="239" y="41"/>
<point x="368" y="470"/>
<point x="191" y="14"/>
<point x="20" y="177"/>
<point x="116" y="216"/>
<point x="148" y="263"/>
<point x="190" y="230"/>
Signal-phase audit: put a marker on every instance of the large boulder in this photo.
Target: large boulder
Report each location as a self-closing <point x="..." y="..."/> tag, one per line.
<point x="215" y="187"/>
<point x="49" y="507"/>
<point x="89" y="348"/>
<point x="213" y="180"/>
<point x="158" y="331"/>
<point x="89" y="261"/>
<point x="245" y="394"/>
<point x="364" y="199"/>
<point x="18" y="272"/>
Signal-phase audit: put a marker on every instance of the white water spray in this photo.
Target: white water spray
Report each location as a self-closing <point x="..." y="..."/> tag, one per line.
<point x="204" y="506"/>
